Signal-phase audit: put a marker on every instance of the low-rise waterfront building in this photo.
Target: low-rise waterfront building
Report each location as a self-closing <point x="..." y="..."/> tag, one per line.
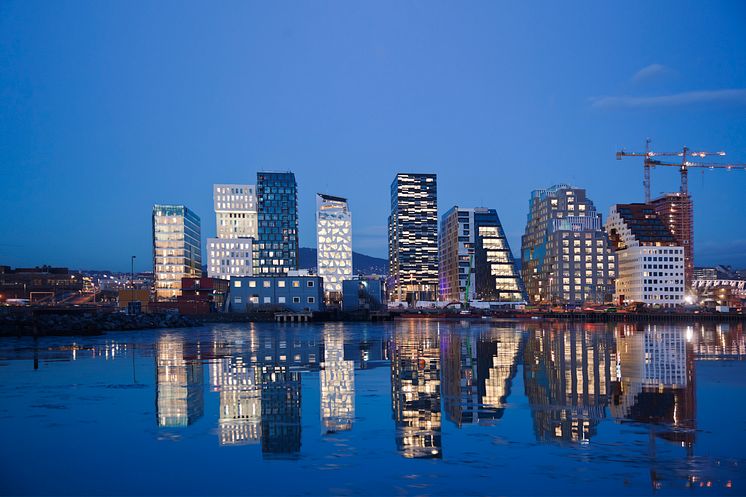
<point x="651" y="263"/>
<point x="363" y="294"/>
<point x="202" y="295"/>
<point x="297" y="292"/>
<point x="41" y="284"/>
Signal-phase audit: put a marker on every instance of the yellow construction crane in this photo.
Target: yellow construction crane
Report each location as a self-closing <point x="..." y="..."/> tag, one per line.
<point x="684" y="166"/>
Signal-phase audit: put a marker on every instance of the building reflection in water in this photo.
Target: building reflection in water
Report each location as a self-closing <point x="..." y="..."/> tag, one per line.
<point x="179" y="396"/>
<point x="656" y="383"/>
<point x="477" y="374"/>
<point x="415" y="390"/>
<point x="656" y="387"/>
<point x="715" y="341"/>
<point x="337" y="378"/>
<point x="239" y="387"/>
<point x="571" y="373"/>
<point x="281" y="396"/>
<point x="567" y="376"/>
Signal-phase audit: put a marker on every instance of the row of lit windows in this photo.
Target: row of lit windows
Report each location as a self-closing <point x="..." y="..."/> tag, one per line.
<point x="254" y="299"/>
<point x="664" y="289"/>
<point x="664" y="297"/>
<point x="268" y="283"/>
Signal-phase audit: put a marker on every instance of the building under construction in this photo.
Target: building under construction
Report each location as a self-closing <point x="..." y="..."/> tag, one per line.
<point x="676" y="211"/>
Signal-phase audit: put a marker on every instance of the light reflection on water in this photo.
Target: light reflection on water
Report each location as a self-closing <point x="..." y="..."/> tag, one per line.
<point x="485" y="408"/>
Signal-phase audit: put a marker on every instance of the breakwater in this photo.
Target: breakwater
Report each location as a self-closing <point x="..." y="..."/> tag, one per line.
<point x="85" y="323"/>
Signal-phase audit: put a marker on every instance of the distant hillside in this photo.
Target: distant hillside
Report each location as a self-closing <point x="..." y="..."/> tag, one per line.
<point x="361" y="263"/>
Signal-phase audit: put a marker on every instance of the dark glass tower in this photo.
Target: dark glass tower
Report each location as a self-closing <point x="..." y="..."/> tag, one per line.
<point x="276" y="250"/>
<point x="413" y="238"/>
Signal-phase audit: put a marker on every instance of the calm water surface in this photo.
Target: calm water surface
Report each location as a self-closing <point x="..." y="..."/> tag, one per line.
<point x="407" y="408"/>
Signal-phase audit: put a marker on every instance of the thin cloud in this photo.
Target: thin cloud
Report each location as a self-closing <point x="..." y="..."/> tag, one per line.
<point x="650" y="72"/>
<point x="736" y="96"/>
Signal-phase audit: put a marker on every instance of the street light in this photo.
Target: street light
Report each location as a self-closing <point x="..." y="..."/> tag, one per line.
<point x="132" y="281"/>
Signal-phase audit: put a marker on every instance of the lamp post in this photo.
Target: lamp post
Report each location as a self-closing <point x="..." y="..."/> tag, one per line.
<point x="132" y="281"/>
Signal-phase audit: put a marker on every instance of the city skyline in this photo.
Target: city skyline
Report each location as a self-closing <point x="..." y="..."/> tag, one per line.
<point x="96" y="133"/>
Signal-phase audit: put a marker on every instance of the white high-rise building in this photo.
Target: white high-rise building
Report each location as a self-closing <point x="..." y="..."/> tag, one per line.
<point x="334" y="241"/>
<point x="650" y="262"/>
<point x="227" y="257"/>
<point x="235" y="211"/>
<point x="230" y="254"/>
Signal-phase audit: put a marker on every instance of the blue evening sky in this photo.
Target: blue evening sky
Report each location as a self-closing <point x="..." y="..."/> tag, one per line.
<point x="107" y="107"/>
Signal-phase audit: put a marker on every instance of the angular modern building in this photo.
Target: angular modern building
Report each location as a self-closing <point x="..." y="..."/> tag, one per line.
<point x="333" y="243"/>
<point x="276" y="247"/>
<point x="177" y="251"/>
<point x="566" y="257"/>
<point x="676" y="211"/>
<point x="475" y="261"/>
<point x="413" y="238"/>
<point x="651" y="262"/>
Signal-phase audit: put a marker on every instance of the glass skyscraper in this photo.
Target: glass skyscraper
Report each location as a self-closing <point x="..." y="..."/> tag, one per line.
<point x="413" y="238"/>
<point x="276" y="247"/>
<point x="177" y="251"/>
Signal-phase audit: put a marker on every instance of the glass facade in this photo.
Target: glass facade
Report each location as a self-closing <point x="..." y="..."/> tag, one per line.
<point x="276" y="249"/>
<point x="334" y="242"/>
<point x="413" y="238"/>
<point x="177" y="249"/>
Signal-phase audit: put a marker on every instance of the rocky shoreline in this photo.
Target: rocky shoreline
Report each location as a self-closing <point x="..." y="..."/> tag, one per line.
<point x="87" y="324"/>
